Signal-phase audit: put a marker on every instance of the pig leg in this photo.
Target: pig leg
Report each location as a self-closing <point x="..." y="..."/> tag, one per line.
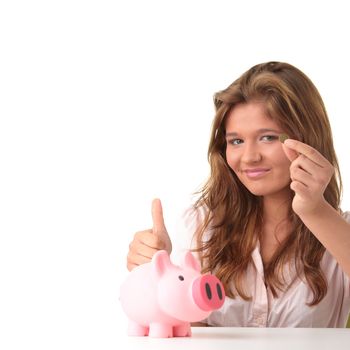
<point x="160" y="330"/>
<point x="183" y="331"/>
<point x="134" y="329"/>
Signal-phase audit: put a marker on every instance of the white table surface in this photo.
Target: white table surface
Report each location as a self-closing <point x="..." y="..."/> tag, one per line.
<point x="222" y="338"/>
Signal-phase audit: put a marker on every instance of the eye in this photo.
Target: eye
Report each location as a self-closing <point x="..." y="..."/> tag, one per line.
<point x="269" y="138"/>
<point x="181" y="278"/>
<point x="235" y="142"/>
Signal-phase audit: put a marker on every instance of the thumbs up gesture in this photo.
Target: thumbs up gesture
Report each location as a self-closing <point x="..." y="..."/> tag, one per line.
<point x="146" y="243"/>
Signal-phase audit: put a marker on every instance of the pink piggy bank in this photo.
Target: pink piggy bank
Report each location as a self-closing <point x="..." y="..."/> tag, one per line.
<point x="160" y="299"/>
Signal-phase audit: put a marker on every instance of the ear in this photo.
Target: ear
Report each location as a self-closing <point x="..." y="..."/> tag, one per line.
<point x="190" y="261"/>
<point x="160" y="263"/>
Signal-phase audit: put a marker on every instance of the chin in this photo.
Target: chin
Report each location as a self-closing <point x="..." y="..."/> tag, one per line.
<point x="260" y="191"/>
<point x="257" y="190"/>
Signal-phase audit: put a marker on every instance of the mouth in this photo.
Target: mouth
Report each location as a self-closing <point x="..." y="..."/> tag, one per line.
<point x="256" y="173"/>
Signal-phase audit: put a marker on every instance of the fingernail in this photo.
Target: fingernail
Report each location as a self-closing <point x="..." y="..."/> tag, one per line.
<point x="283" y="137"/>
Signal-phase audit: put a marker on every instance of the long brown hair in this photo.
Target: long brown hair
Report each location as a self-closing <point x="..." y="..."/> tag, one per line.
<point x="233" y="214"/>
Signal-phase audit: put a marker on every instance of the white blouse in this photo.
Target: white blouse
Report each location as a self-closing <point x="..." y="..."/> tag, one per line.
<point x="287" y="310"/>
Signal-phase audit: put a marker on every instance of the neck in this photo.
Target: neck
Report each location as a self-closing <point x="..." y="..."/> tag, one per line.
<point x="276" y="207"/>
<point x="275" y="228"/>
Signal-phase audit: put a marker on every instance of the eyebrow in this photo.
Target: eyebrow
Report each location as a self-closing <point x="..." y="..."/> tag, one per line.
<point x="259" y="131"/>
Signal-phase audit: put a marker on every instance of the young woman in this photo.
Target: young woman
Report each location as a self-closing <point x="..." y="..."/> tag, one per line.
<point x="268" y="221"/>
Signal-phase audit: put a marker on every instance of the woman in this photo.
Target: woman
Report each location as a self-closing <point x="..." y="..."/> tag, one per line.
<point x="268" y="221"/>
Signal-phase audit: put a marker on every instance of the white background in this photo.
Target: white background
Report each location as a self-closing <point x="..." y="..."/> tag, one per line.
<point x="108" y="104"/>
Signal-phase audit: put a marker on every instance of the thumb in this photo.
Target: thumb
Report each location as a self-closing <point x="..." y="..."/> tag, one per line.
<point x="159" y="226"/>
<point x="157" y="217"/>
<point x="291" y="154"/>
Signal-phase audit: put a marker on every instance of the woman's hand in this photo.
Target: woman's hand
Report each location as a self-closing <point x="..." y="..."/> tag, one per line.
<point x="310" y="173"/>
<point x="146" y="243"/>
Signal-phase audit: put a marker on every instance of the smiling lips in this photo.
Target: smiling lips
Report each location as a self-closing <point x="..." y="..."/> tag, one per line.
<point x="256" y="173"/>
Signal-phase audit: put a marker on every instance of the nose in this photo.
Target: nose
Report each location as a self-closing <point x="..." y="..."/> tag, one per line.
<point x="208" y="292"/>
<point x="251" y="154"/>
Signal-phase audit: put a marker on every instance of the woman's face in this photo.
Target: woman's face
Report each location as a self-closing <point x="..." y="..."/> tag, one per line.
<point x="254" y="151"/>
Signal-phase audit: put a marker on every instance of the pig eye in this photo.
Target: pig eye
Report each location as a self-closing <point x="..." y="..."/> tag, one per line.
<point x="181" y="278"/>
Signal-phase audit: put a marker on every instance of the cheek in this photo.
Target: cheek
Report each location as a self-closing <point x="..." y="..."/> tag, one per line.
<point x="282" y="163"/>
<point x="232" y="159"/>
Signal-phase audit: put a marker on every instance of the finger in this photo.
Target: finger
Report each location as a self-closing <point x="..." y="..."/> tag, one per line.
<point x="299" y="188"/>
<point x="300" y="175"/>
<point x="307" y="164"/>
<point x="145" y="250"/>
<point x="136" y="259"/>
<point x="157" y="217"/>
<point x="130" y="266"/>
<point x="306" y="150"/>
<point x="149" y="239"/>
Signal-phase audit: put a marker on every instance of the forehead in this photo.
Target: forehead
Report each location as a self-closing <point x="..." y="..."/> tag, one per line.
<point x="250" y="116"/>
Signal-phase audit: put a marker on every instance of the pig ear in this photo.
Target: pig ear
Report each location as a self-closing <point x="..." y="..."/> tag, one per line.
<point x="190" y="261"/>
<point x="160" y="263"/>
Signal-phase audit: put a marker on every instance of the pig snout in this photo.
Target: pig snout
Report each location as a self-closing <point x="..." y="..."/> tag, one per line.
<point x="208" y="292"/>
